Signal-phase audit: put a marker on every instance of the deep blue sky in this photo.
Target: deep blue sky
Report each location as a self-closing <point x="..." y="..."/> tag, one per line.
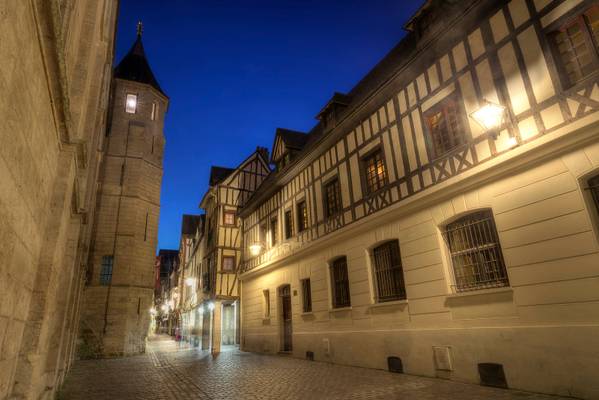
<point x="237" y="69"/>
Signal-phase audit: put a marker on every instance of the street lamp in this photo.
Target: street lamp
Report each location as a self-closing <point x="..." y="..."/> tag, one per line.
<point x="255" y="248"/>
<point x="490" y="117"/>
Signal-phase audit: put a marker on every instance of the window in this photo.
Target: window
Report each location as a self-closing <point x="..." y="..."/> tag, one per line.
<point x="475" y="252"/>
<point x="263" y="233"/>
<point x="446" y="132"/>
<point x="229" y="218"/>
<point x="388" y="272"/>
<point x="375" y="174"/>
<point x="228" y="263"/>
<point x="266" y="305"/>
<point x="288" y="224"/>
<point x="306" y="295"/>
<point x="340" y="283"/>
<point x="154" y="111"/>
<point x="273" y="231"/>
<point x="131" y="103"/>
<point x="302" y="216"/>
<point x="576" y="45"/>
<point x="106" y="270"/>
<point x="332" y="195"/>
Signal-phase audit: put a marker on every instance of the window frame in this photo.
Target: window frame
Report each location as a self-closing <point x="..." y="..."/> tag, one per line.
<point x="289" y="223"/>
<point x="273" y="232"/>
<point x="337" y="298"/>
<point x="378" y="269"/>
<point x="306" y="295"/>
<point x="303" y="218"/>
<point x="136" y="95"/>
<point x="266" y="310"/>
<point x="338" y="197"/>
<point x="106" y="277"/>
<point x="364" y="173"/>
<point x="475" y="254"/>
<point x="229" y="213"/>
<point x="228" y="257"/>
<point x="442" y="106"/>
<point x="154" y="113"/>
<point x="574" y="16"/>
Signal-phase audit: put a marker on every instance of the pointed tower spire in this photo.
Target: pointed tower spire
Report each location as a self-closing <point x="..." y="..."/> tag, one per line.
<point x="140" y="28"/>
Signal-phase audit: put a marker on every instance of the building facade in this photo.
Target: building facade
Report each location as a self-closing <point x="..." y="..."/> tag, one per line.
<point x="120" y="284"/>
<point x="442" y="217"/>
<point x="55" y="72"/>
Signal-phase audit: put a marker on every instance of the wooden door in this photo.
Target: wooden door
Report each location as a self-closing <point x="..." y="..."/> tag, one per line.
<point x="285" y="294"/>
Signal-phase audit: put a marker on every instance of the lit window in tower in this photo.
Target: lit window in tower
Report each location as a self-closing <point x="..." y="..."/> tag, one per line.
<point x="131" y="103"/>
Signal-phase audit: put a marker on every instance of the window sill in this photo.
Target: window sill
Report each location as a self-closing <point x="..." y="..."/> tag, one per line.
<point x="340" y="309"/>
<point x="389" y="303"/>
<point x="307" y="314"/>
<point x="480" y="292"/>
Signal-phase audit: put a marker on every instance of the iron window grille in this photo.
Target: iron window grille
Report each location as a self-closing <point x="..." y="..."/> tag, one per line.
<point x="273" y="231"/>
<point x="446" y="131"/>
<point x="475" y="251"/>
<point x="340" y="283"/>
<point x="106" y="270"/>
<point x="302" y="216"/>
<point x="306" y="295"/>
<point x="332" y="198"/>
<point x="288" y="224"/>
<point x="375" y="173"/>
<point x="388" y="272"/>
<point x="576" y="46"/>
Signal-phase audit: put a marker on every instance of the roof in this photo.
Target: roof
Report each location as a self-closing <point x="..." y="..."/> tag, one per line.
<point x="294" y="140"/>
<point x="135" y="67"/>
<point x="338" y="98"/>
<point x="219" y="174"/>
<point x="189" y="224"/>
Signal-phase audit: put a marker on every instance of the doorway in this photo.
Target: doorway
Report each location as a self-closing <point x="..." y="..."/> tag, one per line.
<point x="285" y="295"/>
<point x="228" y="328"/>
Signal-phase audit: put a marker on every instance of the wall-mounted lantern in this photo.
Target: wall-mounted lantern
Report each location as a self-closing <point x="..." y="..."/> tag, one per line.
<point x="490" y="117"/>
<point x="255" y="248"/>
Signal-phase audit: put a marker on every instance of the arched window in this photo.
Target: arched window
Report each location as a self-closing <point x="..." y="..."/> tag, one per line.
<point x="340" y="283"/>
<point x="475" y="252"/>
<point x="388" y="272"/>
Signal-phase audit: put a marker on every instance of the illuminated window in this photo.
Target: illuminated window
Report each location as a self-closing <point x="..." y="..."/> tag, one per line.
<point x="332" y="195"/>
<point x="154" y="111"/>
<point x="131" y="103"/>
<point x="273" y="231"/>
<point x="576" y="45"/>
<point x="106" y="270"/>
<point x="375" y="174"/>
<point x="443" y="122"/>
<point x="288" y="224"/>
<point x="388" y="272"/>
<point x="228" y="263"/>
<point x="340" y="283"/>
<point x="306" y="295"/>
<point x="475" y="252"/>
<point x="229" y="218"/>
<point x="302" y="216"/>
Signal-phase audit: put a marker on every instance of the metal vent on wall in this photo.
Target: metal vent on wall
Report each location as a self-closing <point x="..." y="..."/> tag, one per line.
<point x="395" y="365"/>
<point x="492" y="374"/>
<point x="442" y="356"/>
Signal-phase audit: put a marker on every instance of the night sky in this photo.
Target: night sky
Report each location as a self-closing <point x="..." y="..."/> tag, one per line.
<point x="237" y="69"/>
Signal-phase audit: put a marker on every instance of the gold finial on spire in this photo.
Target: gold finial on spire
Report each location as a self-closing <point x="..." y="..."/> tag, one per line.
<point x="140" y="28"/>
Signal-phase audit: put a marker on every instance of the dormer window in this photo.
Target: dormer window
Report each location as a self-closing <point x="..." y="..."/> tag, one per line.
<point x="131" y="103"/>
<point x="328" y="115"/>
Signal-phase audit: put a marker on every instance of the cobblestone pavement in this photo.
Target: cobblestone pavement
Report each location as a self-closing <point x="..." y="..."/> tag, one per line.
<point x="169" y="371"/>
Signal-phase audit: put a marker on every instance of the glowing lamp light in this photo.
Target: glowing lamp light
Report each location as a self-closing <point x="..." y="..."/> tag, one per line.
<point x="489" y="116"/>
<point x="211" y="306"/>
<point x="165" y="307"/>
<point x="171" y="304"/>
<point x="153" y="311"/>
<point x="255" y="249"/>
<point x="131" y="103"/>
<point x="190" y="281"/>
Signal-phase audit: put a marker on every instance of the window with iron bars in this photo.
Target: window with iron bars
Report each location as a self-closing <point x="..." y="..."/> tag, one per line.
<point x="475" y="252"/>
<point x="332" y="193"/>
<point x="340" y="283"/>
<point x="576" y="46"/>
<point x="593" y="184"/>
<point x="444" y="126"/>
<point x="375" y="174"/>
<point x="288" y="224"/>
<point x="302" y="216"/>
<point x="306" y="295"/>
<point x="106" y="270"/>
<point x="388" y="272"/>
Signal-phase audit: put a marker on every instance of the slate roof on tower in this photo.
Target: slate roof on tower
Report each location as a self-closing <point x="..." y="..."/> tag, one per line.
<point x="219" y="174"/>
<point x="135" y="67"/>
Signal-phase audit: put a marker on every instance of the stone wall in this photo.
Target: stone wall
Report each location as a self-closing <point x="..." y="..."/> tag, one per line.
<point x="55" y="71"/>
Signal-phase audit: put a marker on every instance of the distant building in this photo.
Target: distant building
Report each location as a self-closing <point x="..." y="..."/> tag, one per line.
<point x="442" y="219"/>
<point x="118" y="294"/>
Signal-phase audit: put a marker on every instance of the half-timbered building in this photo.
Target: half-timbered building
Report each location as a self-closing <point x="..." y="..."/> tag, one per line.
<point x="442" y="217"/>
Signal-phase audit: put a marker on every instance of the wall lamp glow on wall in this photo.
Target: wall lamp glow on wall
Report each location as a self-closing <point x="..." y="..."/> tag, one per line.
<point x="490" y="117"/>
<point x="210" y="305"/>
<point x="153" y="311"/>
<point x="255" y="248"/>
<point x="190" y="281"/>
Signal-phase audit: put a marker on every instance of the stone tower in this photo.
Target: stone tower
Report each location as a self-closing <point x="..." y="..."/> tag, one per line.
<point x="120" y="280"/>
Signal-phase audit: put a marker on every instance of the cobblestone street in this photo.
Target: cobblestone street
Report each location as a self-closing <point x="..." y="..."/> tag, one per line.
<point x="169" y="371"/>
